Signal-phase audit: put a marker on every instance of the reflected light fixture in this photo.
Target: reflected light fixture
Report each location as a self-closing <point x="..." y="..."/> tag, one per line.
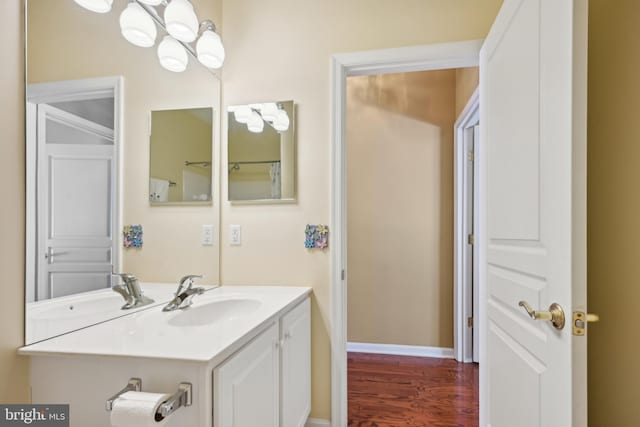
<point x="98" y="6"/>
<point x="172" y="55"/>
<point x="269" y="111"/>
<point x="209" y="48"/>
<point x="152" y="2"/>
<point x="281" y="123"/>
<point x="255" y="123"/>
<point x="137" y="26"/>
<point x="181" y="20"/>
<point x="242" y="113"/>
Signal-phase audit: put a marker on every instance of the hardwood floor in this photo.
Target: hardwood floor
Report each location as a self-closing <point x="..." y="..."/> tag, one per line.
<point x="399" y="391"/>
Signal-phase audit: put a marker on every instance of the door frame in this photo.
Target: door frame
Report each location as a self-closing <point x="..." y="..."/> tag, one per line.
<point x="69" y="90"/>
<point x="406" y="59"/>
<point x="464" y="296"/>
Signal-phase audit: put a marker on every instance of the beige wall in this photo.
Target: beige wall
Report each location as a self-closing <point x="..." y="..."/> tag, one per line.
<point x="467" y="80"/>
<point x="68" y="42"/>
<point x="400" y="208"/>
<point x="178" y="136"/>
<point x="283" y="52"/>
<point x="614" y="212"/>
<point x="14" y="370"/>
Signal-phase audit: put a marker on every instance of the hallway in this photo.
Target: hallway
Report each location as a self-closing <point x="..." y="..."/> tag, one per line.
<point x="399" y="391"/>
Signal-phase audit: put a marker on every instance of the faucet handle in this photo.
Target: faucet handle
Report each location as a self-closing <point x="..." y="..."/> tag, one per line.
<point x="124" y="276"/>
<point x="191" y="277"/>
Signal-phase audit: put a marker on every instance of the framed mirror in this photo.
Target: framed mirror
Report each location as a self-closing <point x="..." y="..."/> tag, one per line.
<point x="180" y="160"/>
<point x="90" y="96"/>
<point x="261" y="153"/>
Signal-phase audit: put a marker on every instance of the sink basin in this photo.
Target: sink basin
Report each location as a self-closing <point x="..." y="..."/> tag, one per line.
<point x="215" y="311"/>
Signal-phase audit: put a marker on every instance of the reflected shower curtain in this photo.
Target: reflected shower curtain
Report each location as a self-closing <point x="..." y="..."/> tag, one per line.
<point x="276" y="187"/>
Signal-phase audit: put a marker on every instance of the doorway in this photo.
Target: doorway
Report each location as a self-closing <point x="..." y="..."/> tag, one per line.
<point x="72" y="130"/>
<point x="438" y="57"/>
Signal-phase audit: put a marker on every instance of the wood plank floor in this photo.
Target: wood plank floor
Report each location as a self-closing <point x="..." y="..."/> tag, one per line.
<point x="399" y="391"/>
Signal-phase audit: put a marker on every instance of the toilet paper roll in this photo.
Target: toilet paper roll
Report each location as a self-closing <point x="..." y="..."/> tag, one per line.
<point x="137" y="409"/>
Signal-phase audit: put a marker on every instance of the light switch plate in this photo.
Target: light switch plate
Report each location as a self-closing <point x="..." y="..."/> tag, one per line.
<point x="235" y="235"/>
<point x="207" y="235"/>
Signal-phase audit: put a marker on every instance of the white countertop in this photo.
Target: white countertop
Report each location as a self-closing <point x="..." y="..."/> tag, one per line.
<point x="153" y="334"/>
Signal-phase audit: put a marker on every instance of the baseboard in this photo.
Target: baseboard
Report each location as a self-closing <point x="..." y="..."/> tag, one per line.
<point x="400" y="350"/>
<point x="315" y="422"/>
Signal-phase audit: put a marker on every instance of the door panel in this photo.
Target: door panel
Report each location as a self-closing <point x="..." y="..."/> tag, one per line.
<point x="246" y="385"/>
<point x="296" y="366"/>
<point x="531" y="72"/>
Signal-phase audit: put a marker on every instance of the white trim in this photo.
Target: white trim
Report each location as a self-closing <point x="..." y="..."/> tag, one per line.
<point x="462" y="290"/>
<point x="430" y="57"/>
<point x="316" y="422"/>
<point x="400" y="350"/>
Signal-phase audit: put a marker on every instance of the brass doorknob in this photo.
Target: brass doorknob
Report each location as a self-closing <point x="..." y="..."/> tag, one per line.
<point x="555" y="314"/>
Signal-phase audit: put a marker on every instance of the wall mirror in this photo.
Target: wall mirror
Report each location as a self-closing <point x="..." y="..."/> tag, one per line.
<point x="90" y="95"/>
<point x="181" y="156"/>
<point x="261" y="153"/>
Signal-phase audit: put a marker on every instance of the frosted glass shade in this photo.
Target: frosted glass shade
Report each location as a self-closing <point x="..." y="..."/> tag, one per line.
<point x="152" y="2"/>
<point x="210" y="50"/>
<point x="281" y="124"/>
<point x="98" y="6"/>
<point x="269" y="111"/>
<point x="172" y="55"/>
<point x="137" y="26"/>
<point x="242" y="113"/>
<point x="255" y="123"/>
<point x="181" y="20"/>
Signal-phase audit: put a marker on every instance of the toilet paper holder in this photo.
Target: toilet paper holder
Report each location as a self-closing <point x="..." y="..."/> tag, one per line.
<point x="182" y="397"/>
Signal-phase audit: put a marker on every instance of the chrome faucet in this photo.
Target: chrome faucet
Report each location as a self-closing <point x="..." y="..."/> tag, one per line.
<point x="131" y="291"/>
<point x="185" y="293"/>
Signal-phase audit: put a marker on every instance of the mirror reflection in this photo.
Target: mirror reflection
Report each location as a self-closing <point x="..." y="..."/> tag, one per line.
<point x="89" y="160"/>
<point x="181" y="156"/>
<point x="261" y="152"/>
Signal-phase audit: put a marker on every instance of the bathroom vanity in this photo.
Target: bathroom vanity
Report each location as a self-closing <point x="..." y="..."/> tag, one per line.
<point x="244" y="349"/>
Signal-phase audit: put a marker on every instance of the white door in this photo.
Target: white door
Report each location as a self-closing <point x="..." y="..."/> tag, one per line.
<point x="246" y="386"/>
<point x="533" y="132"/>
<point x="75" y="209"/>
<point x="296" y="366"/>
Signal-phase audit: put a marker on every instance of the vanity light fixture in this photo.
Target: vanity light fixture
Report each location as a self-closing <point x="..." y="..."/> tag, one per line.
<point x="209" y="47"/>
<point x="281" y="123"/>
<point x="172" y="55"/>
<point x="139" y="23"/>
<point x="255" y="123"/>
<point x="137" y="26"/>
<point x="242" y="113"/>
<point x="269" y="111"/>
<point x="181" y="20"/>
<point x="98" y="6"/>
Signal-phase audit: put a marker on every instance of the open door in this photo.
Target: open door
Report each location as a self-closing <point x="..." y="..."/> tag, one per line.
<point x="533" y="146"/>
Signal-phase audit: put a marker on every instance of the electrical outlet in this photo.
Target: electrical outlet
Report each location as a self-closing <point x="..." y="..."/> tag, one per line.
<point x="207" y="235"/>
<point x="235" y="235"/>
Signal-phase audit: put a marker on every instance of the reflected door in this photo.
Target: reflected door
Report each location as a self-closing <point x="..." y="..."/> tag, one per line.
<point x="75" y="209"/>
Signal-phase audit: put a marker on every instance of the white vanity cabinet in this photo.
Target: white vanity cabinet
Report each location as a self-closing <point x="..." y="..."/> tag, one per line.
<point x="267" y="383"/>
<point x="246" y="350"/>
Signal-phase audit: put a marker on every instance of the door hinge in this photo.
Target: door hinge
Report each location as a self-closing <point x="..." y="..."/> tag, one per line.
<point x="470" y="322"/>
<point x="471" y="155"/>
<point x="471" y="239"/>
<point x="580" y="320"/>
<point x="343" y="275"/>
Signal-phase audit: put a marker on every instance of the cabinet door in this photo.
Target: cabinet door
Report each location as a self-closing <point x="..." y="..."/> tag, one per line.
<point x="246" y="385"/>
<point x="296" y="366"/>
